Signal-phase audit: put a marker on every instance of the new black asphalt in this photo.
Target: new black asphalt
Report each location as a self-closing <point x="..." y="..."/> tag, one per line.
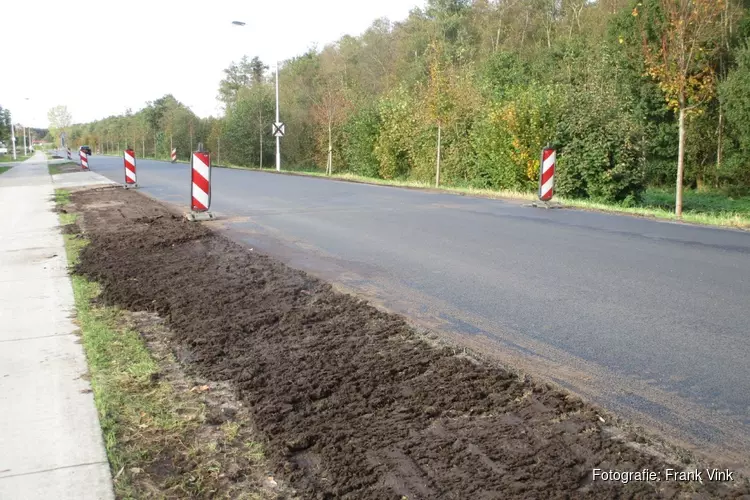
<point x="648" y="318"/>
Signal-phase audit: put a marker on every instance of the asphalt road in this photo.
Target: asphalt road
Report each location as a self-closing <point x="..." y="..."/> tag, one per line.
<point x="650" y="319"/>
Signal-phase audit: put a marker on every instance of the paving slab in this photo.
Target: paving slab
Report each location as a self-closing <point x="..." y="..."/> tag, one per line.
<point x="78" y="179"/>
<point x="50" y="439"/>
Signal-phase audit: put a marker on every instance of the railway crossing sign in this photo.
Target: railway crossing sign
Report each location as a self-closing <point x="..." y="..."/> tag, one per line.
<point x="277" y="129"/>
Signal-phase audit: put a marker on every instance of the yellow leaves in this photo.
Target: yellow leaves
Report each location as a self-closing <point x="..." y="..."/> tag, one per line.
<point x="635" y="12"/>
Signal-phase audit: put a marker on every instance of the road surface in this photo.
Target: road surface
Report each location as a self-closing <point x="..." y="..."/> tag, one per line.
<point x="649" y="319"/>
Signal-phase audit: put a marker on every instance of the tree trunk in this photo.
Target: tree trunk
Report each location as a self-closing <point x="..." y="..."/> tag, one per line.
<point x="718" y="144"/>
<point x="329" y="169"/>
<point x="680" y="162"/>
<point x="437" y="168"/>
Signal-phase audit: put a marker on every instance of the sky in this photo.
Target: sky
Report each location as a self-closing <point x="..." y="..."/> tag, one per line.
<point x="100" y="57"/>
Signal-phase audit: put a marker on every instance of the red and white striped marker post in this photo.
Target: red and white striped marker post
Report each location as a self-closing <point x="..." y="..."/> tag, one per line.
<point x="129" y="159"/>
<point x="69" y="157"/>
<point x="174" y="155"/>
<point x="200" y="186"/>
<point x="84" y="161"/>
<point x="547" y="175"/>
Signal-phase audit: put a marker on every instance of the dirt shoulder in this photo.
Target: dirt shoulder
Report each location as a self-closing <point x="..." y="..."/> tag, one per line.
<point x="352" y="402"/>
<point x="168" y="432"/>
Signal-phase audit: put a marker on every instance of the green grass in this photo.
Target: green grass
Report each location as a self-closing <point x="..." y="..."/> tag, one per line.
<point x="147" y="157"/>
<point x="54" y="168"/>
<point x="122" y="374"/>
<point x="62" y="198"/>
<point x="708" y="202"/>
<point x="143" y="417"/>
<point x="121" y="371"/>
<point x="4" y="169"/>
<point x="9" y="158"/>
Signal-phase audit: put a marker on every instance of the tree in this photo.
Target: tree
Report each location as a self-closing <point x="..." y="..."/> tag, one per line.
<point x="59" y="120"/>
<point x="438" y="100"/>
<point x="330" y="99"/>
<point x="736" y="101"/>
<point x="237" y="76"/>
<point x="261" y="94"/>
<point x="681" y="61"/>
<point x="5" y="121"/>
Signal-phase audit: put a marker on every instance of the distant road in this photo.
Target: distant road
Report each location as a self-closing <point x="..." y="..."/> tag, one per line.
<point x="648" y="318"/>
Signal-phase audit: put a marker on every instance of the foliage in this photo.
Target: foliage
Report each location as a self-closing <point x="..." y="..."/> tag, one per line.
<point x="601" y="154"/>
<point x="735" y="99"/>
<point x="360" y="133"/>
<point x="5" y="121"/>
<point x="601" y="81"/>
<point x="60" y="120"/>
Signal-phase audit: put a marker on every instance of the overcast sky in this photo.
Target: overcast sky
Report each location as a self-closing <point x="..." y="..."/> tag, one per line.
<point x="100" y="57"/>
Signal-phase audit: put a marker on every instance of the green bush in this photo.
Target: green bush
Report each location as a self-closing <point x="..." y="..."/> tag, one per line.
<point x="360" y="134"/>
<point x="391" y="149"/>
<point x="491" y="145"/>
<point x="600" y="153"/>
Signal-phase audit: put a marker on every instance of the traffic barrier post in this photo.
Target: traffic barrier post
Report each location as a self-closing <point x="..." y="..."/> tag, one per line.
<point x="200" y="186"/>
<point x="131" y="181"/>
<point x="84" y="161"/>
<point x="547" y="175"/>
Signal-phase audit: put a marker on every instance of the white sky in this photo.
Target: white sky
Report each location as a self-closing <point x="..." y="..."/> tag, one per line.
<point x="100" y="57"/>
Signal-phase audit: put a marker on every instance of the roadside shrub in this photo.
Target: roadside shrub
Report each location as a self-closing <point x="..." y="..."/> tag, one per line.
<point x="391" y="149"/>
<point x="491" y="145"/>
<point x="360" y="134"/>
<point x="600" y="149"/>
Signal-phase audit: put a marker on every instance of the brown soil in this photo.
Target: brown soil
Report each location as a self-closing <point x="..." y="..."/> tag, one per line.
<point x="217" y="454"/>
<point x="352" y="402"/>
<point x="70" y="229"/>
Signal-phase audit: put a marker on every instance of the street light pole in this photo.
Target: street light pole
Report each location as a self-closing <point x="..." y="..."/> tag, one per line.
<point x="13" y="139"/>
<point x="278" y="139"/>
<point x="26" y="150"/>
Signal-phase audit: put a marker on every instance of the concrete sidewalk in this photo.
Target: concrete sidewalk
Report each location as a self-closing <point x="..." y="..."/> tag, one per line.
<point x="50" y="440"/>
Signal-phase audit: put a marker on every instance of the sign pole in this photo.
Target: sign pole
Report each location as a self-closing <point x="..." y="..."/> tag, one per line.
<point x="278" y="138"/>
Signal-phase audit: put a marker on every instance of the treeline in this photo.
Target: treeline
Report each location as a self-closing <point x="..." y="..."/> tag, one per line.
<point x="6" y="122"/>
<point x="152" y="131"/>
<point x="5" y="126"/>
<point x="492" y="82"/>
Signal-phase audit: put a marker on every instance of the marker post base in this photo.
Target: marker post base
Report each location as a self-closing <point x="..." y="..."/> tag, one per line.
<point x="199" y="216"/>
<point x="545" y="204"/>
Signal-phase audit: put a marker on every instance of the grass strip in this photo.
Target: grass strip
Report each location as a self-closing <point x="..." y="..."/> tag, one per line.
<point x="56" y="168"/>
<point x="9" y="158"/>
